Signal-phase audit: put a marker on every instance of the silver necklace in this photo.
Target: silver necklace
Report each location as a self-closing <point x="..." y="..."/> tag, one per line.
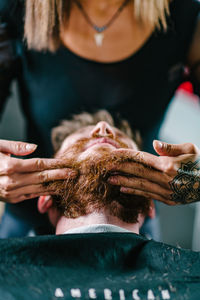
<point x="99" y="31"/>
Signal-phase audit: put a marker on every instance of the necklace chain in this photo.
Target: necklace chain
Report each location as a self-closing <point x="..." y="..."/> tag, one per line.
<point x="100" y="29"/>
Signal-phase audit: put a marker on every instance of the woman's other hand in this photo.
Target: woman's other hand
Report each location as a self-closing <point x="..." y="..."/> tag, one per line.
<point x="22" y="179"/>
<point x="173" y="177"/>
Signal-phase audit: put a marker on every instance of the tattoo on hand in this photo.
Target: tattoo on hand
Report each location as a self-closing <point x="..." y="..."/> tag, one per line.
<point x="186" y="184"/>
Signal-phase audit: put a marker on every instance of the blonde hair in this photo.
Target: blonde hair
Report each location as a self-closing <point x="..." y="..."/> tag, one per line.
<point x="45" y="18"/>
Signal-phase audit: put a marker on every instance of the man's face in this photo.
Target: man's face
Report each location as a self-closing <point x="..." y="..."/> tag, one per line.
<point x="92" y="152"/>
<point x="95" y="141"/>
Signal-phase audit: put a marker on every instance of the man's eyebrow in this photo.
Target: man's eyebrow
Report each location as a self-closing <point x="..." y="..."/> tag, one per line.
<point x="120" y="133"/>
<point x="79" y="130"/>
<point x="82" y="129"/>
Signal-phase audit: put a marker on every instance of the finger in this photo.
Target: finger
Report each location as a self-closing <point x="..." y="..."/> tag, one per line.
<point x="146" y="195"/>
<point x="25" y="197"/>
<point x="140" y="184"/>
<point x="144" y="172"/>
<point x="167" y="165"/>
<point x="36" y="189"/>
<point x="147" y="159"/>
<point x="8" y="154"/>
<point x="39" y="164"/>
<point x="165" y="149"/>
<point x="35" y="178"/>
<point x="16" y="148"/>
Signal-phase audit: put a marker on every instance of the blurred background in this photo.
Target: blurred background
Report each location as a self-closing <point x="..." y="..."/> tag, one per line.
<point x="179" y="225"/>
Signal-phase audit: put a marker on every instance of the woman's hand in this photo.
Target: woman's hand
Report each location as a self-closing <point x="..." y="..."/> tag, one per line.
<point x="173" y="177"/>
<point x="22" y="179"/>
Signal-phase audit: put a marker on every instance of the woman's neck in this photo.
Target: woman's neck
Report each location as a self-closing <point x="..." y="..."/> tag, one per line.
<point x="101" y="6"/>
<point x="124" y="37"/>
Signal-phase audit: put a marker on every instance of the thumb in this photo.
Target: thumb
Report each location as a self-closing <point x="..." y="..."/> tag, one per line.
<point x="16" y="148"/>
<point x="165" y="149"/>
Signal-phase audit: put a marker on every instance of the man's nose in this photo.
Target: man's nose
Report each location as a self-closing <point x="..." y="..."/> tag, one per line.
<point x="103" y="129"/>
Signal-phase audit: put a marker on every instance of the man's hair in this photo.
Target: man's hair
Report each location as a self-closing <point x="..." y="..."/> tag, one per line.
<point x="84" y="119"/>
<point x="90" y="190"/>
<point x="44" y="19"/>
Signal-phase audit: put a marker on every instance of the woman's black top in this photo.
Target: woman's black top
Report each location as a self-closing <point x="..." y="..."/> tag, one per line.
<point x="138" y="88"/>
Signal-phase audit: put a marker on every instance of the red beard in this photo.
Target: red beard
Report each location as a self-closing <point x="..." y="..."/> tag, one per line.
<point x="90" y="190"/>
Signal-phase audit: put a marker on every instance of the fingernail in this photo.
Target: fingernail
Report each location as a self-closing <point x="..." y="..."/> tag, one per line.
<point x="31" y="146"/>
<point x="160" y="145"/>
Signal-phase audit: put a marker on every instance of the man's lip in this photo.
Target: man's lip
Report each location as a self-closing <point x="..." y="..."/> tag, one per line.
<point x="103" y="141"/>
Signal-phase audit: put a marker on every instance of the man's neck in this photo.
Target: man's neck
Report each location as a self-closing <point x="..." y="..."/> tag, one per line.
<point x="65" y="224"/>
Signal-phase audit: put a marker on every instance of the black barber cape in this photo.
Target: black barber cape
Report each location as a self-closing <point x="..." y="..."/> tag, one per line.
<point x="96" y="266"/>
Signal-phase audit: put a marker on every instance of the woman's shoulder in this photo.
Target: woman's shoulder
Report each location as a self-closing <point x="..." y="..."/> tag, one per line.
<point x="187" y="9"/>
<point x="184" y="16"/>
<point x="5" y="7"/>
<point x="9" y="9"/>
<point x="12" y="13"/>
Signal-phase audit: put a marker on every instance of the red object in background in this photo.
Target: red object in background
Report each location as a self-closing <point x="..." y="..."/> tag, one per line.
<point x="186" y="87"/>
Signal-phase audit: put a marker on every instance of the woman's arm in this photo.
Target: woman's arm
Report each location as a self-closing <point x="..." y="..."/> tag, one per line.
<point x="11" y="27"/>
<point x="8" y="64"/>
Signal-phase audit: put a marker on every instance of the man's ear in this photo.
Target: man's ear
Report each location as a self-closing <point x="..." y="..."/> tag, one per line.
<point x="44" y="204"/>
<point x="152" y="210"/>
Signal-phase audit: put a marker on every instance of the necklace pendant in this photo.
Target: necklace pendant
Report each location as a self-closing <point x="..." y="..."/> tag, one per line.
<point x="99" y="38"/>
